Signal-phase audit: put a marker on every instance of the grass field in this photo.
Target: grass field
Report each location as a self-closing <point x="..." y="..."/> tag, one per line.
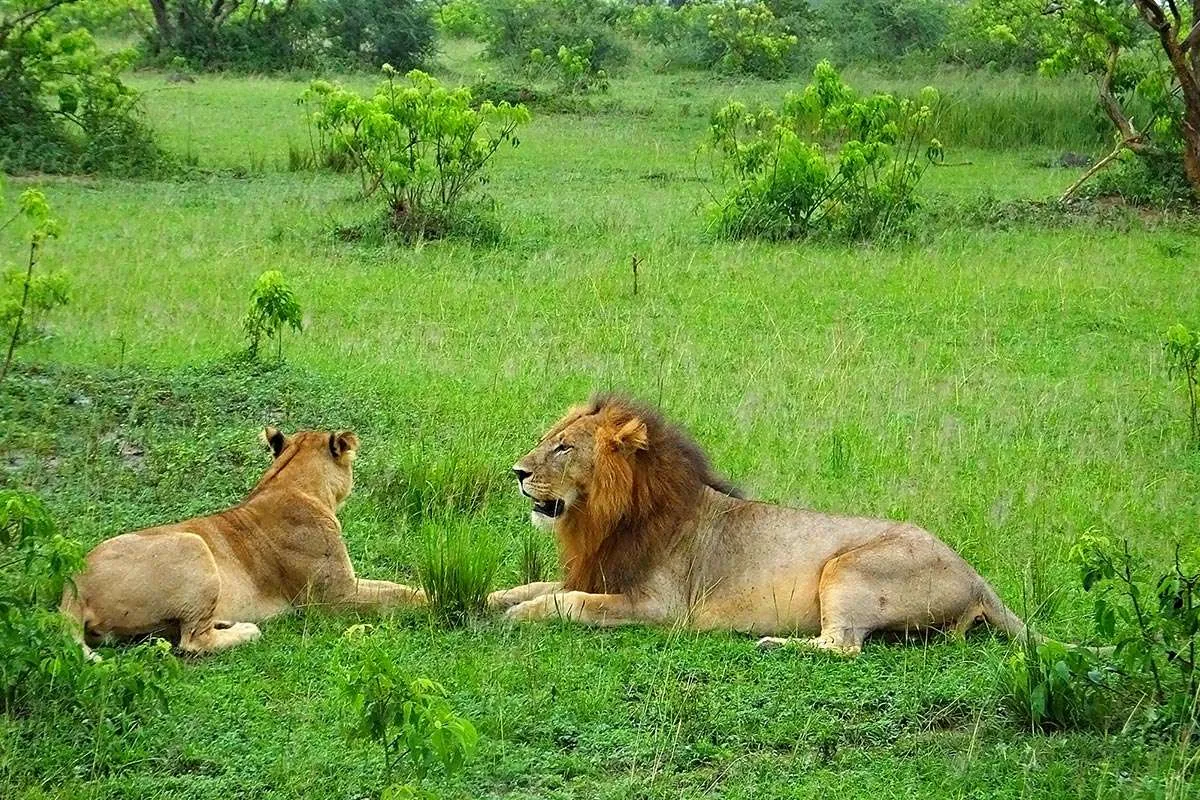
<point x="1003" y="387"/>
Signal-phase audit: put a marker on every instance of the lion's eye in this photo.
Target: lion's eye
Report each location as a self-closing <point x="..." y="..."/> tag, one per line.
<point x="563" y="447"/>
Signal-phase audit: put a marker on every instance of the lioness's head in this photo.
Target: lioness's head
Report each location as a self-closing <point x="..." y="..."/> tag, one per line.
<point x="611" y="459"/>
<point x="318" y="461"/>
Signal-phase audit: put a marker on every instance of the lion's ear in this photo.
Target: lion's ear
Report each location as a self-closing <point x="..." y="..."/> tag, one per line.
<point x="274" y="439"/>
<point x="630" y="436"/>
<point x="342" y="442"/>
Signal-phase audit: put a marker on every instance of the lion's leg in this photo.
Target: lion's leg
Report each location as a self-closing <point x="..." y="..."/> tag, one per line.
<point x="506" y="598"/>
<point x="908" y="581"/>
<point x="589" y="609"/>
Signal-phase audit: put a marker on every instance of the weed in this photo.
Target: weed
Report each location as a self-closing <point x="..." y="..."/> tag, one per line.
<point x="458" y="569"/>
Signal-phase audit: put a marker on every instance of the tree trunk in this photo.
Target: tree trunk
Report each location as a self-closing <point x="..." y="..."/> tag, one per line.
<point x="162" y="21"/>
<point x="1189" y="82"/>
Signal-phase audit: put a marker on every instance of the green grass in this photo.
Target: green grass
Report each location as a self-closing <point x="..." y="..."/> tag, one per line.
<point x="1003" y="388"/>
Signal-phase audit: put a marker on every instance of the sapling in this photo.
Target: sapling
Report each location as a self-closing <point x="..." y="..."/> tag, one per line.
<point x="273" y="307"/>
<point x="1182" y="348"/>
<point x="36" y="292"/>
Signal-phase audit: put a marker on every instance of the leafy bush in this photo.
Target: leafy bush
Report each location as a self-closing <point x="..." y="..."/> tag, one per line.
<point x="457" y="570"/>
<point x="63" y="107"/>
<point x="42" y="666"/>
<point x="378" y="32"/>
<point x="573" y="68"/>
<point x="462" y="18"/>
<point x="424" y="147"/>
<point x="780" y="183"/>
<point x="409" y="719"/>
<point x="26" y="294"/>
<point x="1182" y="348"/>
<point x="273" y="307"/>
<point x="515" y="28"/>
<point x="880" y="31"/>
<point x="1151" y="683"/>
<point x="726" y="35"/>
<point x="1001" y="33"/>
<point x="228" y="34"/>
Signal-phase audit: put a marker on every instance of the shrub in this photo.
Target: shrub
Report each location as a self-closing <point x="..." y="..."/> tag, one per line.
<point x="1182" y="348"/>
<point x="378" y="32"/>
<point x="42" y="666"/>
<point x="228" y="34"/>
<point x="1001" y="33"/>
<point x="780" y="183"/>
<point x="457" y="570"/>
<point x="27" y="294"/>
<point x="880" y="31"/>
<point x="409" y="719"/>
<point x="63" y="107"/>
<point x="462" y="18"/>
<point x="273" y="307"/>
<point x="515" y="28"/>
<point x="573" y="69"/>
<point x="725" y="35"/>
<point x="423" y="147"/>
<point x="1051" y="686"/>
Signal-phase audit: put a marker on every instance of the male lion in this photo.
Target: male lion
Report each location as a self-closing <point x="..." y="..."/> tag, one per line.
<point x="647" y="533"/>
<point x="206" y="581"/>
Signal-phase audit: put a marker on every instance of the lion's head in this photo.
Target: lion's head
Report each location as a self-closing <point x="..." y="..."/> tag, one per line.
<point x="320" y="462"/>
<point x="613" y="480"/>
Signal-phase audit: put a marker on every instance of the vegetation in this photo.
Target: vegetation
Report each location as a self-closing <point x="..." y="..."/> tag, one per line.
<point x="63" y="105"/>
<point x="1182" y="348"/>
<point x="28" y="294"/>
<point x="423" y="147"/>
<point x="458" y="570"/>
<point x="273" y="307"/>
<point x="781" y="184"/>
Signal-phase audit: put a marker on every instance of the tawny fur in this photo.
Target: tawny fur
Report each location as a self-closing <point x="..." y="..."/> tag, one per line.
<point x="205" y="581"/>
<point x="649" y="534"/>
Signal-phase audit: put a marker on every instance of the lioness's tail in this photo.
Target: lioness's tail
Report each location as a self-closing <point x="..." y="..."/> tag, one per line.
<point x="1002" y="618"/>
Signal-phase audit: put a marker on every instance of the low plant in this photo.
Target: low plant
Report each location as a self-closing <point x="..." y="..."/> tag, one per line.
<point x="457" y="570"/>
<point x="779" y="181"/>
<point x="409" y="719"/>
<point x="42" y="666"/>
<point x="27" y="294"/>
<point x="423" y="147"/>
<point x="1182" y="349"/>
<point x="273" y="307"/>
<point x="573" y="68"/>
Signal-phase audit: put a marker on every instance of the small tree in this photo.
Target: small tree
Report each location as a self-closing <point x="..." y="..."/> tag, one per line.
<point x="410" y="720"/>
<point x="1182" y="347"/>
<point x="424" y="147"/>
<point x="273" y="307"/>
<point x="28" y="292"/>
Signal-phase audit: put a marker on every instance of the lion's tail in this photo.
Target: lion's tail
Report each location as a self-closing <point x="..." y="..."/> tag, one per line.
<point x="71" y="607"/>
<point x="1002" y="618"/>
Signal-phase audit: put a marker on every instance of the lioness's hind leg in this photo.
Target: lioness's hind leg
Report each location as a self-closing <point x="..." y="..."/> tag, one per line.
<point x="214" y="636"/>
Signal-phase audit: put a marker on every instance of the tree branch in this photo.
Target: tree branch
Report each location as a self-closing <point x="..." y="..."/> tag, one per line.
<point x="1099" y="165"/>
<point x="31" y="17"/>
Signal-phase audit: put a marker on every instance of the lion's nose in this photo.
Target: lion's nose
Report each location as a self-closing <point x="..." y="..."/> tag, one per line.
<point x="521" y="474"/>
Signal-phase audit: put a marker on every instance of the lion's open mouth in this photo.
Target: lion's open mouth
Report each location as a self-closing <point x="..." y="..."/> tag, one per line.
<point x="549" y="508"/>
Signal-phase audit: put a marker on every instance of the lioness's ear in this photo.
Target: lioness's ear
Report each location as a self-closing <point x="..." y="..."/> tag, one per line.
<point x="630" y="436"/>
<point x="342" y="442"/>
<point x="274" y="439"/>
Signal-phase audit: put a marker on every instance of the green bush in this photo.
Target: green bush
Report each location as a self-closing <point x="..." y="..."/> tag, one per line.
<point x="63" y="107"/>
<point x="1001" y="33"/>
<point x="572" y="68"/>
<point x="779" y="182"/>
<point x="27" y="294"/>
<point x="1051" y="686"/>
<point x="515" y="28"/>
<point x="273" y="307"/>
<point x="462" y="18"/>
<point x="378" y="32"/>
<point x="880" y="31"/>
<point x="423" y="147"/>
<point x="229" y="35"/>
<point x="42" y="666"/>
<point x="1182" y="349"/>
<point x="727" y="35"/>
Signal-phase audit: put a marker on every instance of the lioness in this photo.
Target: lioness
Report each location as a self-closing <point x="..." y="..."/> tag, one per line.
<point x="206" y="581"/>
<point x="647" y="533"/>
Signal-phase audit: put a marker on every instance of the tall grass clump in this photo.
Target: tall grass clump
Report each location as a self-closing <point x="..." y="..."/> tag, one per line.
<point x="457" y="568"/>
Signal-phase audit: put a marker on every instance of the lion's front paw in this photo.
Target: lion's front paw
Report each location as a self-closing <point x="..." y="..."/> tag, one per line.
<point x="501" y="599"/>
<point x="528" y="611"/>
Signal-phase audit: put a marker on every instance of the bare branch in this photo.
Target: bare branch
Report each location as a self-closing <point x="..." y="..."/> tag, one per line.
<point x="1099" y="165"/>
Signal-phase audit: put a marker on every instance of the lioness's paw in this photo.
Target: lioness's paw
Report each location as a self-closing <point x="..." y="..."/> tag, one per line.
<point x="245" y="632"/>
<point x="771" y="642"/>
